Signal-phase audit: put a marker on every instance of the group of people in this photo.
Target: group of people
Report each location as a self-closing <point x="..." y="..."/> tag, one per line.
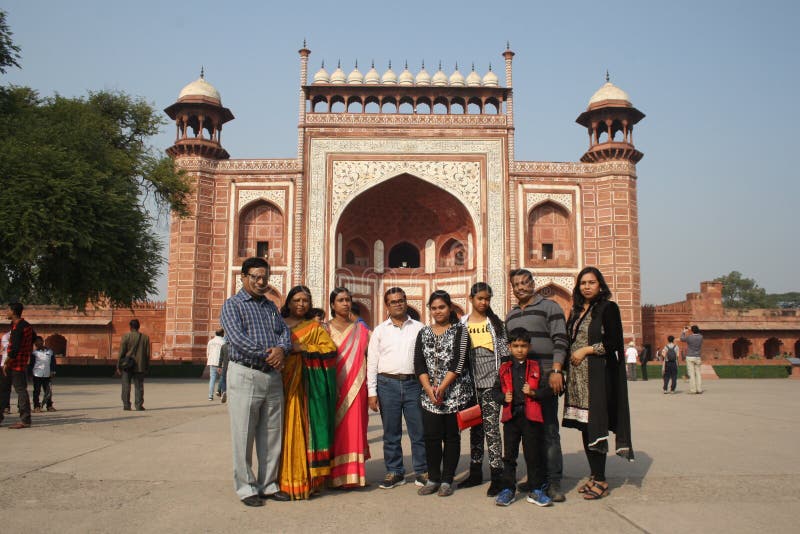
<point x="25" y="355"/>
<point x="671" y="355"/>
<point x="299" y="389"/>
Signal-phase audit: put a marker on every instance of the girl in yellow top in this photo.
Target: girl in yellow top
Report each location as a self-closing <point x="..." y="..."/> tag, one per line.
<point x="487" y="335"/>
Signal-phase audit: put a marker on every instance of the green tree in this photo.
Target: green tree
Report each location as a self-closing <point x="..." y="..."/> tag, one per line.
<point x="9" y="53"/>
<point x="76" y="173"/>
<point x="741" y="293"/>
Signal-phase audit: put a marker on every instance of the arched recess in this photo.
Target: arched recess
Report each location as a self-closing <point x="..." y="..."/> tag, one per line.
<point x="354" y="105"/>
<point x="423" y="106"/>
<point x="404" y="255"/>
<point x="561" y="296"/>
<point x="356" y="253"/>
<point x="741" y="348"/>
<point x="337" y="104"/>
<point x="453" y="254"/>
<point x="319" y="104"/>
<point x="372" y="105"/>
<point x="261" y="232"/>
<point x="491" y="107"/>
<point x="772" y="348"/>
<point x="551" y="236"/>
<point x="57" y="343"/>
<point x="797" y="348"/>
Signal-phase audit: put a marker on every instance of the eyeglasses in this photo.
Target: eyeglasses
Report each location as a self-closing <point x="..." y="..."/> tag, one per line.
<point x="397" y="302"/>
<point x="258" y="278"/>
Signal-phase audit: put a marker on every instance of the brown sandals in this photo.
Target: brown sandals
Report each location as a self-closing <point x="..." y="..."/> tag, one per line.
<point x="594" y="490"/>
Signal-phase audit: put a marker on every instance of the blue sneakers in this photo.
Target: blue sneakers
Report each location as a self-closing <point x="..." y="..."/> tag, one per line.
<point x="505" y="497"/>
<point x="539" y="498"/>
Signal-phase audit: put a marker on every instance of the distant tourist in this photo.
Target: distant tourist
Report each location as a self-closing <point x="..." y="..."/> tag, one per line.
<point x="644" y="357"/>
<point x="212" y="360"/>
<point x="631" y="359"/>
<point x="5" y="391"/>
<point x="393" y="389"/>
<point x="544" y="320"/>
<point x="15" y="368"/>
<point x="520" y="388"/>
<point x="694" y="361"/>
<point x="43" y="369"/>
<point x="440" y="363"/>
<point x="259" y="342"/>
<point x="669" y="369"/>
<point x="351" y="450"/>
<point x="137" y="346"/>
<point x="596" y="402"/>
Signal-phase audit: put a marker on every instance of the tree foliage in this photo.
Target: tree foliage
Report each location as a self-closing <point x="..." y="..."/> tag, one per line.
<point x="9" y="52"/>
<point x="741" y="293"/>
<point x="75" y="176"/>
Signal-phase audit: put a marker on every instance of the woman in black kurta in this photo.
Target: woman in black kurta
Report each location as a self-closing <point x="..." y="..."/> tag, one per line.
<point x="596" y="399"/>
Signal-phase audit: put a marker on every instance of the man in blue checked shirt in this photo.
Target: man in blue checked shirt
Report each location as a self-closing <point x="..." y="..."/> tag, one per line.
<point x="259" y="342"/>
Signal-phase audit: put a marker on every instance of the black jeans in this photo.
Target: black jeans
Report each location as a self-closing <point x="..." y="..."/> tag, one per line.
<point x="532" y="436"/>
<point x="597" y="460"/>
<point x="138" y="380"/>
<point x="19" y="380"/>
<point x="670" y="374"/>
<point x="442" y="445"/>
<point x="42" y="384"/>
<point x="644" y="370"/>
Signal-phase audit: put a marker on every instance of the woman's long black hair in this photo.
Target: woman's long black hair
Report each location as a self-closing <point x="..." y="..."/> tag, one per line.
<point x="577" y="297"/>
<point x="292" y="292"/>
<point x="335" y="293"/>
<point x="497" y="323"/>
<point x="445" y="296"/>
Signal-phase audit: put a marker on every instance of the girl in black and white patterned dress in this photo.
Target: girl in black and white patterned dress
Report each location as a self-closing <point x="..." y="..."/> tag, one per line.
<point x="440" y="362"/>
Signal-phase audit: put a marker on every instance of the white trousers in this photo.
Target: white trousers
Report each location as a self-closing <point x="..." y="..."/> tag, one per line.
<point x="693" y="366"/>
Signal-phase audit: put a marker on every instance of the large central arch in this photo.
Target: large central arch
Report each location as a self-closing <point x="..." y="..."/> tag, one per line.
<point x="407" y="232"/>
<point x="339" y="169"/>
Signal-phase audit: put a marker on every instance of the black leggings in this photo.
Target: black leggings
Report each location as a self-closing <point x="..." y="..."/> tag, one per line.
<point x="442" y="445"/>
<point x="597" y="460"/>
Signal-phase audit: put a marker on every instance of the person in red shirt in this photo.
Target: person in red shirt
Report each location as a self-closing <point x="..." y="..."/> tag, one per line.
<point x="19" y="354"/>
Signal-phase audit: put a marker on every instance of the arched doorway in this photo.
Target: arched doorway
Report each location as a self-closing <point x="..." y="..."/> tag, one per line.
<point x="559" y="295"/>
<point x="772" y="347"/>
<point x="741" y="348"/>
<point x="551" y="236"/>
<point x="413" y="221"/>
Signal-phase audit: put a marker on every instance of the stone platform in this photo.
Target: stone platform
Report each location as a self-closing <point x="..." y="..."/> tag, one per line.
<point x="723" y="461"/>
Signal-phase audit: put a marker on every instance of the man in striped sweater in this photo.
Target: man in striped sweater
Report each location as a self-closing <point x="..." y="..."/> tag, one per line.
<point x="544" y="319"/>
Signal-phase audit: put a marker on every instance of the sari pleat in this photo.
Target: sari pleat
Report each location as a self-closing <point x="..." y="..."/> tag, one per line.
<point x="309" y="382"/>
<point x="350" y="447"/>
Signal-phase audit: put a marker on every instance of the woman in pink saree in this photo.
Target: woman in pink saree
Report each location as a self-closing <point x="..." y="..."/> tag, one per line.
<point x="350" y="448"/>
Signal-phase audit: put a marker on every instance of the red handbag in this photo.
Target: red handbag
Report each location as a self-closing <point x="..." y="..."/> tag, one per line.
<point x="469" y="417"/>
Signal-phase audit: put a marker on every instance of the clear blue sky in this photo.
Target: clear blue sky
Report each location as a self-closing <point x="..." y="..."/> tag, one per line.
<point x="718" y="82"/>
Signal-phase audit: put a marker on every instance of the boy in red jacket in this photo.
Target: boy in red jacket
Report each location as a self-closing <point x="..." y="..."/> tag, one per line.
<point x="519" y="388"/>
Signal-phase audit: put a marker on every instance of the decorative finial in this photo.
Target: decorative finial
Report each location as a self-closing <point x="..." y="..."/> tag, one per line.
<point x="338" y="63"/>
<point x="490" y="66"/>
<point x="356" y="64"/>
<point x="473" y="66"/>
<point x="372" y="65"/>
<point x="440" y="64"/>
<point x="423" y="63"/>
<point x="202" y="72"/>
<point x="508" y="45"/>
<point x="323" y="64"/>
<point x="608" y="78"/>
<point x="390" y="64"/>
<point x="304" y="43"/>
<point x="406" y="65"/>
<point x="456" y="65"/>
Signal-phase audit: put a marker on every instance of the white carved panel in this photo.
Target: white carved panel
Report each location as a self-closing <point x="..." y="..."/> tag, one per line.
<point x="275" y="196"/>
<point x="378" y="256"/>
<point x="276" y="281"/>
<point x="461" y="178"/>
<point x="430" y="256"/>
<point x="567" y="283"/>
<point x="562" y="199"/>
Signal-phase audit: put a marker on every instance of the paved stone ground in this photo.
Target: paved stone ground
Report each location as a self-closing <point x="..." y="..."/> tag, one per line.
<point x="724" y="461"/>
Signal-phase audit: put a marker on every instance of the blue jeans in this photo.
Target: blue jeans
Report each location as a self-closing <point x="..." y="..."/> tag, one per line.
<point x="398" y="399"/>
<point x="213" y="373"/>
<point x="552" y="438"/>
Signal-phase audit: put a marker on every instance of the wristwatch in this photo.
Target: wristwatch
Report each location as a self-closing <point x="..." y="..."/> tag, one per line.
<point x="558" y="371"/>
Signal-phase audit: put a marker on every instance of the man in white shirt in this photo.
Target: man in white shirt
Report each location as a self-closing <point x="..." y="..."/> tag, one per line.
<point x="6" y="392"/>
<point x="212" y="360"/>
<point x="43" y="368"/>
<point x="393" y="389"/>
<point x="631" y="357"/>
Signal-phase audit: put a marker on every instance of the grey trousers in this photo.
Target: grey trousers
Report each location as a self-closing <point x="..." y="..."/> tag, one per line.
<point x="255" y="406"/>
<point x="138" y="386"/>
